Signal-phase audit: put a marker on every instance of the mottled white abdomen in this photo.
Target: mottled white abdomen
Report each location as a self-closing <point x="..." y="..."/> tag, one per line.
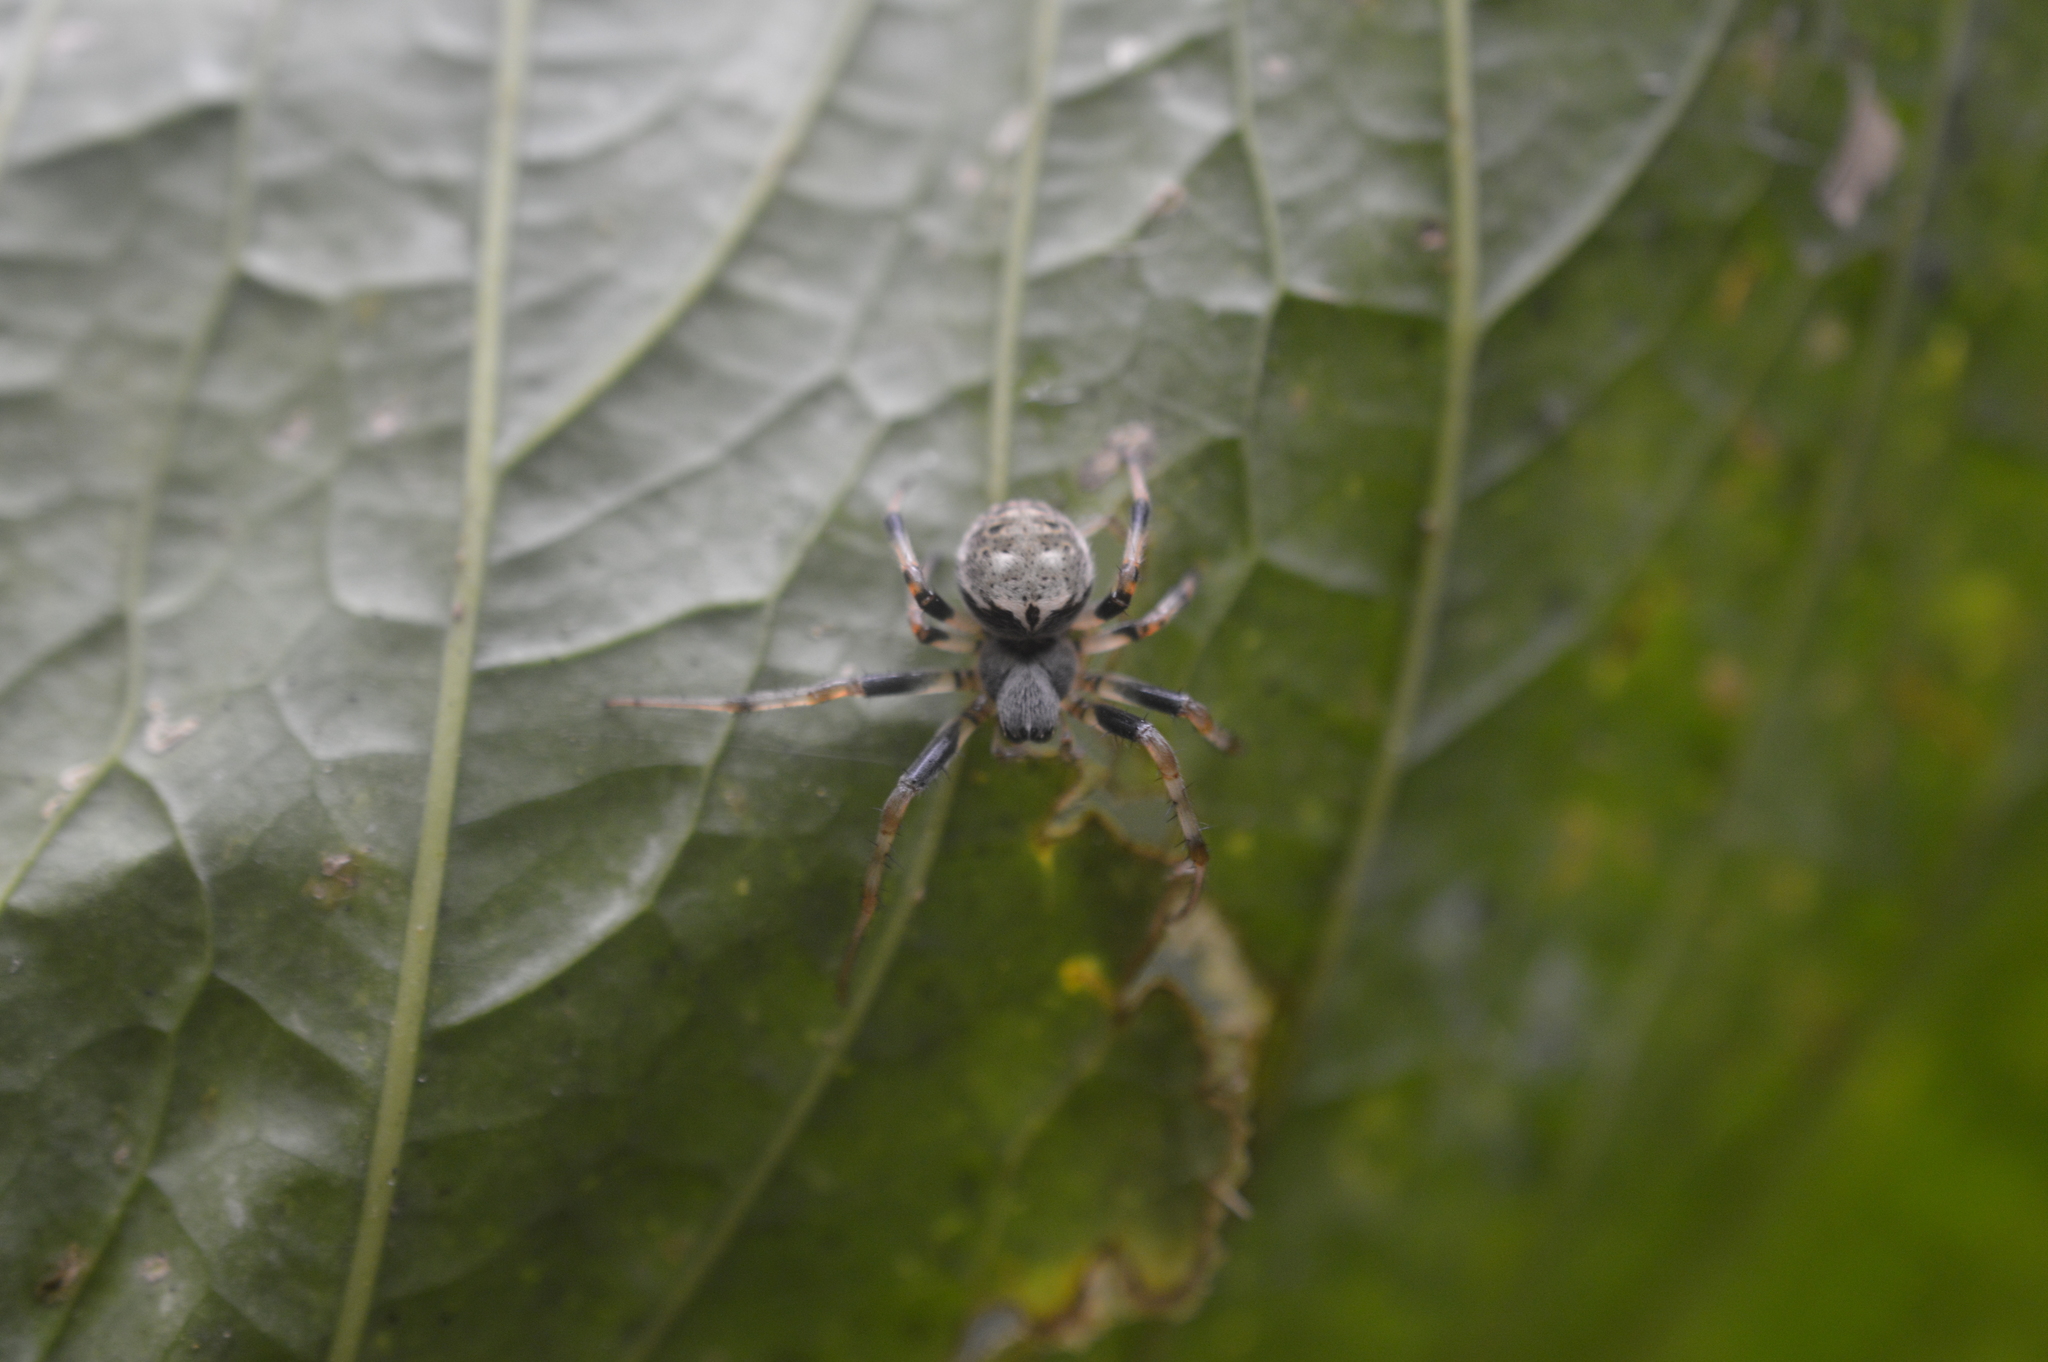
<point x="1025" y="569"/>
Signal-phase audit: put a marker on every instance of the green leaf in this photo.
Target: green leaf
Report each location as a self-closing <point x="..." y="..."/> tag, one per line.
<point x="1621" y="567"/>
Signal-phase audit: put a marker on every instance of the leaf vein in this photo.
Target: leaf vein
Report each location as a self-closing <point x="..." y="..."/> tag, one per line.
<point x="480" y="483"/>
<point x="1565" y="235"/>
<point x="853" y="21"/>
<point x="937" y="803"/>
<point x="1045" y="37"/>
<point x="1442" y="723"/>
<point x="157" y="458"/>
<point x="1464" y="328"/>
<point x="28" y="42"/>
<point x="240" y="203"/>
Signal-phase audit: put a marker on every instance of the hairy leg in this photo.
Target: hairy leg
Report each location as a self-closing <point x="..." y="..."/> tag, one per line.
<point x="927" y="768"/>
<point x="1119" y="723"/>
<point x="880" y="683"/>
<point x="955" y="640"/>
<point x="925" y="603"/>
<point x="1131" y="691"/>
<point x="1148" y="624"/>
<point x="1134" y="448"/>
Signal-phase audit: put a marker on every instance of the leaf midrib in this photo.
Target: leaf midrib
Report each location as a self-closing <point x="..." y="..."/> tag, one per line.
<point x="1467" y="321"/>
<point x="1045" y="37"/>
<point x="696" y="1266"/>
<point x="1464" y="329"/>
<point x="480" y="486"/>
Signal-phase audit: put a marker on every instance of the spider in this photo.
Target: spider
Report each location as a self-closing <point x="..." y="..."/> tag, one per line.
<point x="1025" y="571"/>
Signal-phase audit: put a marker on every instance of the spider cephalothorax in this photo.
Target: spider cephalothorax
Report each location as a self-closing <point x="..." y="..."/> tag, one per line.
<point x="1025" y="572"/>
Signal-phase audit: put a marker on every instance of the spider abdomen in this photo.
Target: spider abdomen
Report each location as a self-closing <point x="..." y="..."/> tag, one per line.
<point x="1025" y="570"/>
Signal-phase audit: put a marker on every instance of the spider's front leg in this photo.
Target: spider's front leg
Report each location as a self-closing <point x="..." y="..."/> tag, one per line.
<point x="878" y="683"/>
<point x="1119" y="599"/>
<point x="925" y="602"/>
<point x="1120" y="723"/>
<point x="930" y="764"/>
<point x="963" y="637"/>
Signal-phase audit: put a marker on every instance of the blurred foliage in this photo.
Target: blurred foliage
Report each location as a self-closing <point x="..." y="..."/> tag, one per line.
<point x="1682" y="1003"/>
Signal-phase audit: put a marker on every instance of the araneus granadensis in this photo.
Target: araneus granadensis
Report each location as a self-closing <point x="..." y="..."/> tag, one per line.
<point x="1025" y="571"/>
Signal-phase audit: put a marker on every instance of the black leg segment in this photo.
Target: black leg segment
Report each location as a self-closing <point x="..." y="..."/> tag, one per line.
<point x="1148" y="624"/>
<point x="1131" y="691"/>
<point x="1118" y="723"/>
<point x="1134" y="445"/>
<point x="926" y="599"/>
<point x="926" y="769"/>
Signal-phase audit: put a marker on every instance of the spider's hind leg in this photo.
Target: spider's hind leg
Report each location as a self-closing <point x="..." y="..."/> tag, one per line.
<point x="930" y="764"/>
<point x="1131" y="691"/>
<point x="1120" y="723"/>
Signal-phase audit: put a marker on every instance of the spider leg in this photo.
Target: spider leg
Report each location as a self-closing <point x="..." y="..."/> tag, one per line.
<point x="1151" y="622"/>
<point x="946" y="640"/>
<point x="881" y="683"/>
<point x="1119" y="599"/>
<point x="924" y="602"/>
<point x="1120" y="723"/>
<point x="930" y="764"/>
<point x="1131" y="691"/>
